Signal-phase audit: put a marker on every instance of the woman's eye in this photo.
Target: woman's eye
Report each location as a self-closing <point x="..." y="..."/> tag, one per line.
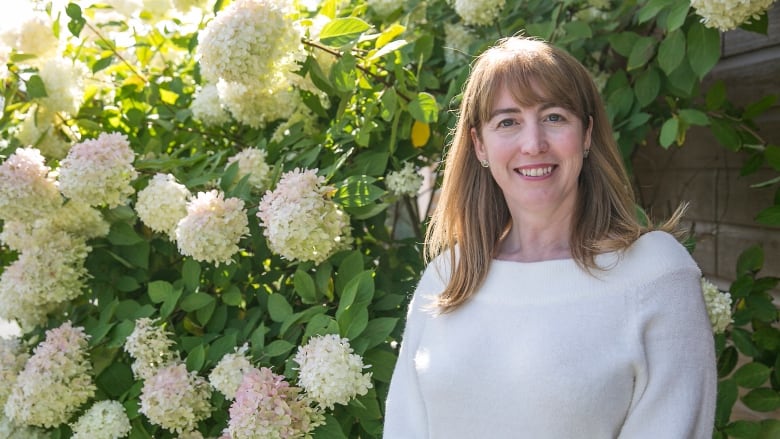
<point x="506" y="123"/>
<point x="555" y="118"/>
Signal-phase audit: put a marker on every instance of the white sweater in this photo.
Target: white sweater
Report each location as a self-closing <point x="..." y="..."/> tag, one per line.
<point x="545" y="350"/>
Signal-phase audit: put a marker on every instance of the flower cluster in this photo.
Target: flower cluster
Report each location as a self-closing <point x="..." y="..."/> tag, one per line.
<point x="407" y="181"/>
<point x="12" y="360"/>
<point x="162" y="204"/>
<point x="329" y="371"/>
<point x="150" y="348"/>
<point x="718" y="306"/>
<point x="300" y="222"/>
<point x="64" y="82"/>
<point x="267" y="407"/>
<point x="729" y="14"/>
<point x="27" y="191"/>
<point x="383" y="8"/>
<point x="55" y="381"/>
<point x="212" y="228"/>
<point x="10" y="430"/>
<point x="33" y="36"/>
<point x="458" y="43"/>
<point x="247" y="40"/>
<point x="266" y="100"/>
<point x="99" y="171"/>
<point x="228" y="373"/>
<point x="251" y="161"/>
<point x="207" y="107"/>
<point x="104" y="420"/>
<point x="175" y="398"/>
<point x="478" y="13"/>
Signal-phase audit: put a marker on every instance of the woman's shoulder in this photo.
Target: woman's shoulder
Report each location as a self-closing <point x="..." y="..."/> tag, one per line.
<point x="655" y="254"/>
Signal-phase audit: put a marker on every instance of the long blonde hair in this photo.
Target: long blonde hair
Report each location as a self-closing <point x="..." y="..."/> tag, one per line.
<point x="471" y="216"/>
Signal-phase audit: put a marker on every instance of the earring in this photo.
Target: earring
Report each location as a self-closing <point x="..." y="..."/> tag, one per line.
<point x="585" y="153"/>
<point x="484" y="163"/>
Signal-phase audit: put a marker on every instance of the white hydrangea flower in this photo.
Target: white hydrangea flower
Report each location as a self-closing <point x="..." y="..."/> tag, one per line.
<point x="457" y="48"/>
<point x="127" y="8"/>
<point x="16" y="301"/>
<point x="175" y="398"/>
<point x="729" y="14"/>
<point x="407" y="181"/>
<point x="12" y="360"/>
<point x="162" y="204"/>
<point x="55" y="382"/>
<point x="251" y="161"/>
<point x="64" y="82"/>
<point x="383" y="8"/>
<point x="35" y="36"/>
<point x="260" y="103"/>
<point x="207" y="107"/>
<point x="718" y="306"/>
<point x="247" y="40"/>
<point x="266" y="406"/>
<point x="478" y="12"/>
<point x="27" y="191"/>
<point x="195" y="434"/>
<point x="329" y="371"/>
<point x="212" y="228"/>
<point x="228" y="373"/>
<point x="104" y="420"/>
<point x="39" y="129"/>
<point x="77" y="218"/>
<point x="150" y="348"/>
<point x="10" y="430"/>
<point x="300" y="222"/>
<point x="99" y="171"/>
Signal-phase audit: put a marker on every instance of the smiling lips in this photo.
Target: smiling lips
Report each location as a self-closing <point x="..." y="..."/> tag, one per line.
<point x="536" y="171"/>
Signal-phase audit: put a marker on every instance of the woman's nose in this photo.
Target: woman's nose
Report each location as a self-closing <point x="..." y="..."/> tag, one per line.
<point x="534" y="140"/>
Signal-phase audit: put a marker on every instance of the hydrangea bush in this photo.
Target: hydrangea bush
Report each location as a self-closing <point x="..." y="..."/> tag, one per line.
<point x="211" y="211"/>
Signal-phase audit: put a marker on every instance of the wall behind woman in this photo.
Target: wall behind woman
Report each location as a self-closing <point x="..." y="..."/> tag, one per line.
<point x="723" y="206"/>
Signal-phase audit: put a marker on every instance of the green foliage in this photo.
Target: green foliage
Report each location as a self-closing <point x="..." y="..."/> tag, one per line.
<point x="391" y="84"/>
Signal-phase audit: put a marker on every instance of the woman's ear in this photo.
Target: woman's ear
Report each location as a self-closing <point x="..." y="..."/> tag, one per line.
<point x="479" y="147"/>
<point x="588" y="133"/>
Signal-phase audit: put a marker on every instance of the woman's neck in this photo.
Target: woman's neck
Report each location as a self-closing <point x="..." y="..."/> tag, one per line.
<point x="534" y="240"/>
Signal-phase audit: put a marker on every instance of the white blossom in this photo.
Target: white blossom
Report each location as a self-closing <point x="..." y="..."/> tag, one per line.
<point x="228" y="373"/>
<point x="478" y="12"/>
<point x="383" y="8"/>
<point x="406" y="181"/>
<point x="329" y="371"/>
<point x="251" y="161"/>
<point x="260" y="103"/>
<point x="729" y="14"/>
<point x="12" y="359"/>
<point x="150" y="347"/>
<point x="27" y="191"/>
<point x="175" y="398"/>
<point x="104" y="420"/>
<point x="162" y="204"/>
<point x="64" y="82"/>
<point x="207" y="107"/>
<point x="300" y="222"/>
<point x="458" y="41"/>
<point x="718" y="306"/>
<point x="212" y="228"/>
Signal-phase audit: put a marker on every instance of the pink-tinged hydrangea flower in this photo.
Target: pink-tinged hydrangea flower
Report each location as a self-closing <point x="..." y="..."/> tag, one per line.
<point x="16" y="302"/>
<point x="207" y="107"/>
<point x="26" y="190"/>
<point x="257" y="104"/>
<point x="162" y="204"/>
<point x="99" y="171"/>
<point x="730" y="14"/>
<point x="458" y="41"/>
<point x="12" y="360"/>
<point x="55" y="382"/>
<point x="407" y="181"/>
<point x="150" y="348"/>
<point x="329" y="372"/>
<point x="104" y="420"/>
<point x="718" y="306"/>
<point x="212" y="228"/>
<point x="64" y="82"/>
<point x="228" y="373"/>
<point x="267" y="407"/>
<point x="251" y="161"/>
<point x="300" y="222"/>
<point x="175" y="398"/>
<point x="480" y="12"/>
<point x="247" y="41"/>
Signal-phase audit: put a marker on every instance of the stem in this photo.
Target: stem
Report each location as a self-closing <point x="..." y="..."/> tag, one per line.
<point x="111" y="45"/>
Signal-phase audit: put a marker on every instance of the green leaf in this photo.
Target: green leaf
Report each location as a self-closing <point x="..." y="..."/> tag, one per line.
<point x="116" y="379"/>
<point x="278" y="307"/>
<point x="623" y="43"/>
<point x="424" y="108"/>
<point x="382" y="363"/>
<point x="232" y="296"/>
<point x="760" y="26"/>
<point x="682" y="81"/>
<point x="651" y="9"/>
<point x="769" y="216"/>
<point x="304" y="287"/>
<point x="575" y="31"/>
<point x="727" y="396"/>
<point x="772" y="156"/>
<point x="694" y="117"/>
<point x="669" y="132"/>
<point x="757" y="108"/>
<point x="122" y="233"/>
<point x="743" y="342"/>
<point x="190" y="273"/>
<point x="641" y="53"/>
<point x="342" y="31"/>
<point x="330" y="430"/>
<point x="77" y="22"/>
<point x="727" y="361"/>
<point x="542" y="29"/>
<point x="221" y="346"/>
<point x="196" y="301"/>
<point x="619" y="103"/>
<point x="750" y="261"/>
<point x="278" y="347"/>
<point x="716" y="96"/>
<point x="647" y="86"/>
<point x="358" y="191"/>
<point x="762" y="400"/>
<point x="677" y="15"/>
<point x="703" y="48"/>
<point x="377" y="330"/>
<point x="102" y="63"/>
<point x="36" y="88"/>
<point x="770" y="429"/>
<point x="159" y="291"/>
<point x="196" y="358"/>
<point x="726" y="134"/>
<point x="752" y="375"/>
<point x="743" y="429"/>
<point x="351" y="266"/>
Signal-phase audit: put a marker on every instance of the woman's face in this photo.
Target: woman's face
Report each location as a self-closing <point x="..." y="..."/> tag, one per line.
<point x="535" y="153"/>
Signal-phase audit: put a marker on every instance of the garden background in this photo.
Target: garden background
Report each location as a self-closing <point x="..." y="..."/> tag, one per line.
<point x="212" y="211"/>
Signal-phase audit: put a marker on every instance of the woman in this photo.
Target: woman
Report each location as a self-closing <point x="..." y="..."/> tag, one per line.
<point x="548" y="310"/>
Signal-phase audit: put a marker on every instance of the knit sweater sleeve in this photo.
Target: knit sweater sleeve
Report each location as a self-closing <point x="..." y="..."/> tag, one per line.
<point x="675" y="385"/>
<point x="405" y="413"/>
